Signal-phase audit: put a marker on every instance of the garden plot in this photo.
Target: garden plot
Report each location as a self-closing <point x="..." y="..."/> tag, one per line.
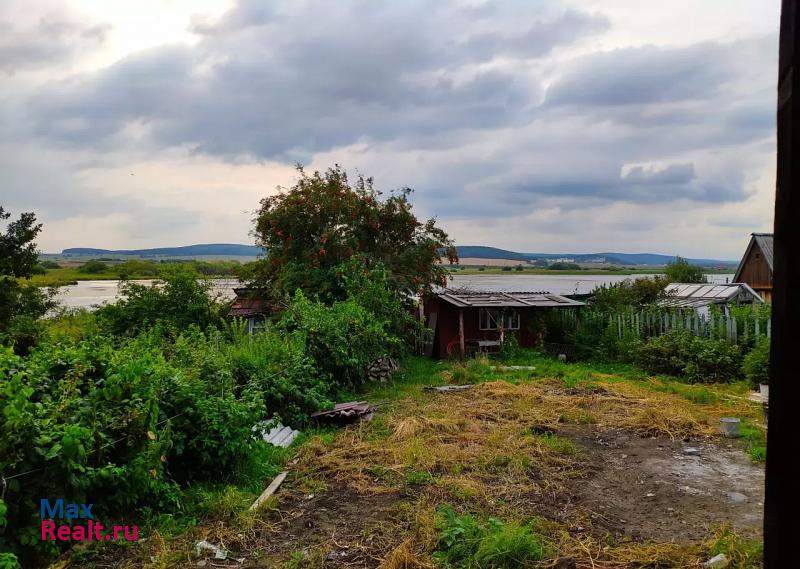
<point x="601" y="471"/>
<point x="611" y="473"/>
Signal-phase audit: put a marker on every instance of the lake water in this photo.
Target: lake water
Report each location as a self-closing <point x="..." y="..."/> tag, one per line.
<point x="87" y="294"/>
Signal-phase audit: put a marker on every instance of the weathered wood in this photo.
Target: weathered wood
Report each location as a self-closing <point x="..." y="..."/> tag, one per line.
<point x="782" y="497"/>
<point x="461" y="332"/>
<point x="273" y="486"/>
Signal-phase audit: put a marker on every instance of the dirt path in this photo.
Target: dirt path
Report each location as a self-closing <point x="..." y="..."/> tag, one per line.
<point x="664" y="490"/>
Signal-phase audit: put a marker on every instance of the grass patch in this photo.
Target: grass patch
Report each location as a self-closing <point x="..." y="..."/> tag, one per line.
<point x="756" y="439"/>
<point x="556" y="444"/>
<point x="466" y="542"/>
<point x="744" y="553"/>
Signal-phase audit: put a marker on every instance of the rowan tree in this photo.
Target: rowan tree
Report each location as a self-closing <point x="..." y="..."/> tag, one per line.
<point x="311" y="229"/>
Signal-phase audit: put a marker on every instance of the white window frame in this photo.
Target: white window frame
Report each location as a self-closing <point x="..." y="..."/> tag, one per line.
<point x="488" y="318"/>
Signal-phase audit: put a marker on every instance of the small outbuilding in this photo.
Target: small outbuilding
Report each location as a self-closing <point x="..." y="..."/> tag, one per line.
<point x="700" y="297"/>
<point x="755" y="268"/>
<point x="465" y="321"/>
<point x="250" y="306"/>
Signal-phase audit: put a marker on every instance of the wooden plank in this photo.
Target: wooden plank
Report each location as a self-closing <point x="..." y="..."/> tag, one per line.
<point x="461" y="331"/>
<point x="432" y="321"/>
<point x="273" y="486"/>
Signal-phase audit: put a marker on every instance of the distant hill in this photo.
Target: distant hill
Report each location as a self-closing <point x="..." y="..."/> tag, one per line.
<point x="482" y="252"/>
<point x="464" y="251"/>
<point x="206" y="250"/>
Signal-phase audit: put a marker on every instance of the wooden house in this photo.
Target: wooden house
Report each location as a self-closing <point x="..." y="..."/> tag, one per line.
<point x="465" y="322"/>
<point x="755" y="268"/>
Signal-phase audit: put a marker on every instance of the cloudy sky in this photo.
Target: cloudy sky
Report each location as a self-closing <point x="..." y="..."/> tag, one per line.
<point x="533" y="125"/>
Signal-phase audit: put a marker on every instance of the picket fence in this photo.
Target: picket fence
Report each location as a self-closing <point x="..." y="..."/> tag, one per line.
<point x="742" y="328"/>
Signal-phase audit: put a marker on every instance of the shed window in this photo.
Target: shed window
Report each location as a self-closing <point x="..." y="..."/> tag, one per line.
<point x="491" y="318"/>
<point x="257" y="324"/>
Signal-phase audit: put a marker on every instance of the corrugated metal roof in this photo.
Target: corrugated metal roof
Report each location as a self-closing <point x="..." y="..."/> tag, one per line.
<point x="276" y="433"/>
<point x="349" y="411"/>
<point x="695" y="295"/>
<point x="487" y="299"/>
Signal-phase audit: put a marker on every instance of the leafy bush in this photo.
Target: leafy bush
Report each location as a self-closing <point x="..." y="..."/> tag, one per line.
<point x="93" y="267"/>
<point x="756" y="363"/>
<point x="116" y="425"/>
<point x="681" y="271"/>
<point x="343" y="339"/>
<point x="628" y="293"/>
<point x="681" y="353"/>
<point x="182" y="299"/>
<point x="466" y="542"/>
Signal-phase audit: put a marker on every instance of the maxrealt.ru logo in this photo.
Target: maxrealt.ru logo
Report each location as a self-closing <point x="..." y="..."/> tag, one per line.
<point x="86" y="528"/>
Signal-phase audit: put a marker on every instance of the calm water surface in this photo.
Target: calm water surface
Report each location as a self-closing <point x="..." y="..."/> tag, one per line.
<point x="87" y="294"/>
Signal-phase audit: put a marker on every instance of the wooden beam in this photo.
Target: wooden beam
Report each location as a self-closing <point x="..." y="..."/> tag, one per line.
<point x="782" y="496"/>
<point x="273" y="486"/>
<point x="461" y="331"/>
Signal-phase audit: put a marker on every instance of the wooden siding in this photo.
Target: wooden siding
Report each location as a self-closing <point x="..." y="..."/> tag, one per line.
<point x="756" y="272"/>
<point x="447" y="325"/>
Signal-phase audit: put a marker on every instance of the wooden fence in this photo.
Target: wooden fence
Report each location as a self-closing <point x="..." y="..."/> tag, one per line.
<point x="740" y="327"/>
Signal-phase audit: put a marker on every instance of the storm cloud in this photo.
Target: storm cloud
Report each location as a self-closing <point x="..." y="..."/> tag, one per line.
<point x="487" y="109"/>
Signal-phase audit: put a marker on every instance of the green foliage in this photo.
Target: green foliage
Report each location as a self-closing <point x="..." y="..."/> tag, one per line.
<point x="119" y="425"/>
<point x="756" y="439"/>
<point x="756" y="363"/>
<point x="48" y="264"/>
<point x="563" y="266"/>
<point x="93" y="267"/>
<point x="681" y="353"/>
<point x="20" y="304"/>
<point x="681" y="271"/>
<point x="628" y="293"/>
<point x="466" y="542"/>
<point x="323" y="220"/>
<point x="343" y="338"/>
<point x="744" y="553"/>
<point x="180" y="300"/>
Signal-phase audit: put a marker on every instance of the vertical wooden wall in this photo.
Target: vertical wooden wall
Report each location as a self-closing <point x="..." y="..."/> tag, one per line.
<point x="782" y="507"/>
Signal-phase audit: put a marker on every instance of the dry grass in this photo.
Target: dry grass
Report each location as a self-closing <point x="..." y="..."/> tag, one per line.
<point x="473" y="449"/>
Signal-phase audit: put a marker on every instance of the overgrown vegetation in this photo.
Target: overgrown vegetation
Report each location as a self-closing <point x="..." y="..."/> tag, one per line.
<point x="626" y="322"/>
<point x="136" y="406"/>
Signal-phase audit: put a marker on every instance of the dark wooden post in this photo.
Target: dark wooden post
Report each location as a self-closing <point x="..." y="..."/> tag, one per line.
<point x="461" y="331"/>
<point x="782" y="506"/>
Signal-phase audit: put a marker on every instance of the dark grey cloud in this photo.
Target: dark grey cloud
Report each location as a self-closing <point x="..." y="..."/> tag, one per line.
<point x="52" y="39"/>
<point x="445" y="97"/>
<point x="295" y="79"/>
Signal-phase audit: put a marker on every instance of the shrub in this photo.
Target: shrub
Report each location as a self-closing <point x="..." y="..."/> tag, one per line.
<point x="343" y="339"/>
<point x="93" y="267"/>
<point x="115" y="425"/>
<point x="681" y="353"/>
<point x="756" y="363"/>
<point x="182" y="299"/>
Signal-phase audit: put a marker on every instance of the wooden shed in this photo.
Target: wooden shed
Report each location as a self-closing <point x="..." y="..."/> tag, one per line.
<point x="470" y="321"/>
<point x="755" y="268"/>
<point x="251" y="307"/>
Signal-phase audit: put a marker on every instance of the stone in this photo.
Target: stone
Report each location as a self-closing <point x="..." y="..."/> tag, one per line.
<point x="565" y="563"/>
<point x="717" y="562"/>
